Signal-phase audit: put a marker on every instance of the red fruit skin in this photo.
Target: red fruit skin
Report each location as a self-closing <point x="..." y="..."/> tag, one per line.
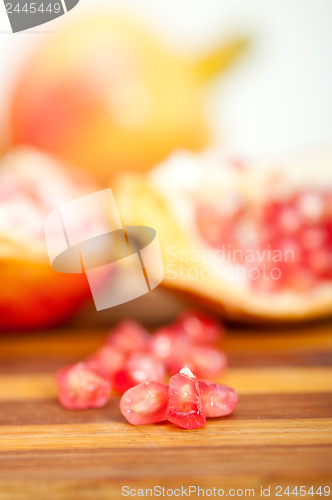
<point x="130" y="337"/>
<point x="204" y="360"/>
<point x="138" y="368"/>
<point x="36" y="296"/>
<point x="80" y="387"/>
<point x="200" y="328"/>
<point x="146" y="403"/>
<point x="107" y="361"/>
<point x="217" y="400"/>
<point x="168" y="343"/>
<point x="184" y="405"/>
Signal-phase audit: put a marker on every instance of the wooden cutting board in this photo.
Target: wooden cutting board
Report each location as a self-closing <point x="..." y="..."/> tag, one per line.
<point x="279" y="436"/>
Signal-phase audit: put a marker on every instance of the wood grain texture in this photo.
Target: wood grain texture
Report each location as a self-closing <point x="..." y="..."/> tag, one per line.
<point x="280" y="434"/>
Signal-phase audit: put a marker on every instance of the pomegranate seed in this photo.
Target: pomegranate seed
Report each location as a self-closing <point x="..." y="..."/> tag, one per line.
<point x="129" y="336"/>
<point x="167" y="343"/>
<point x="146" y="403"/>
<point x="138" y="368"/>
<point x="107" y="360"/>
<point x="79" y="387"/>
<point x="300" y="222"/>
<point x="199" y="328"/>
<point x="184" y="407"/>
<point x="310" y="206"/>
<point x="217" y="400"/>
<point x="203" y="360"/>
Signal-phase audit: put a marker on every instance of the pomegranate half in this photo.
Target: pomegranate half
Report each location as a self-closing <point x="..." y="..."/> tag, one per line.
<point x="32" y="294"/>
<point x="254" y="240"/>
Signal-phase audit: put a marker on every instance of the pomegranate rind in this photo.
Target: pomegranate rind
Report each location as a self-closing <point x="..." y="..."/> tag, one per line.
<point x="31" y="186"/>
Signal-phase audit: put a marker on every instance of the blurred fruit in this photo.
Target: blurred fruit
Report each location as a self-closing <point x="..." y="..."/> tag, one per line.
<point x="130" y="337"/>
<point x="204" y="360"/>
<point x="140" y="367"/>
<point x="105" y="94"/>
<point x="145" y="403"/>
<point x="200" y="328"/>
<point x="107" y="361"/>
<point x="32" y="294"/>
<point x="253" y="241"/>
<point x="80" y="387"/>
<point x="168" y="343"/>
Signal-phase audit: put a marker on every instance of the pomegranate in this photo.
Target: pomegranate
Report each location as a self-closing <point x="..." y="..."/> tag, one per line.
<point x="32" y="294"/>
<point x="203" y="360"/>
<point x="146" y="403"/>
<point x="106" y="94"/>
<point x="200" y="328"/>
<point x="168" y="343"/>
<point x="152" y="402"/>
<point x="217" y="400"/>
<point x="140" y="367"/>
<point x="253" y="240"/>
<point x="80" y="387"/>
<point x="130" y="337"/>
<point x="107" y="361"/>
<point x="185" y="406"/>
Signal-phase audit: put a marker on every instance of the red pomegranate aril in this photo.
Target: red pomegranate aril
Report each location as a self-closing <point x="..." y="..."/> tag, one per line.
<point x="146" y="403"/>
<point x="217" y="400"/>
<point x="167" y="343"/>
<point x="308" y="238"/>
<point x="107" y="360"/>
<point x="310" y="206"/>
<point x="203" y="360"/>
<point x="129" y="336"/>
<point x="199" y="328"/>
<point x="184" y="406"/>
<point x="80" y="387"/>
<point x="138" y="368"/>
<point x="300" y="222"/>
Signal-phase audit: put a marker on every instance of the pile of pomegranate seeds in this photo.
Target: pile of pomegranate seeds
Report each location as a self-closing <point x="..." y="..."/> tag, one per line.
<point x="303" y="224"/>
<point x="297" y="227"/>
<point x="187" y="402"/>
<point x="134" y="363"/>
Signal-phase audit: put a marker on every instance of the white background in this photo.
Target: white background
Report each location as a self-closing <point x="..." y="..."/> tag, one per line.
<point x="278" y="98"/>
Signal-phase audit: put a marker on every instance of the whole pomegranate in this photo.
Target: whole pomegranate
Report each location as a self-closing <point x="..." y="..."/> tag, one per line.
<point x="32" y="295"/>
<point x="105" y="94"/>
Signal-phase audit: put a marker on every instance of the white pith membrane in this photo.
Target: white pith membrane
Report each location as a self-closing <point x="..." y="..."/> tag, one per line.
<point x="185" y="181"/>
<point x="31" y="186"/>
<point x="186" y="371"/>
